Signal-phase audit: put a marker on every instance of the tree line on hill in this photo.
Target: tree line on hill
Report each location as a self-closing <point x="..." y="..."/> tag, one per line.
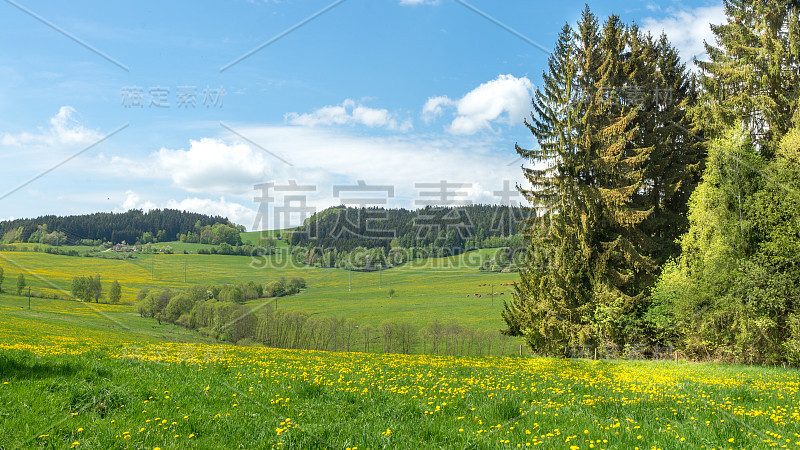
<point x="373" y="238"/>
<point x="451" y="227"/>
<point x="667" y="219"/>
<point x="131" y="226"/>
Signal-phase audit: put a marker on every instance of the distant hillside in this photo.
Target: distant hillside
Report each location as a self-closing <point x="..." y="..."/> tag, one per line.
<point x="130" y="226"/>
<point x="473" y="226"/>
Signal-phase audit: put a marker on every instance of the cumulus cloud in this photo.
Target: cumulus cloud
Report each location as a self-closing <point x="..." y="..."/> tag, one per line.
<point x="350" y="113"/>
<point x="209" y="166"/>
<point x="235" y="212"/>
<point x="213" y="166"/>
<point x="133" y="201"/>
<point x="434" y="107"/>
<point x="505" y="99"/>
<point x="216" y="174"/>
<point x="65" y="131"/>
<point x="687" y="29"/>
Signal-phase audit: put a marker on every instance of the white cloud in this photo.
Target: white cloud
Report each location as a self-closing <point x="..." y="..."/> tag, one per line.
<point x="434" y="107"/>
<point x="318" y="156"/>
<point x="210" y="166"/>
<point x="687" y="29"/>
<point x="324" y="157"/>
<point x="213" y="166"/>
<point x="350" y="113"/>
<point x="505" y="99"/>
<point x="235" y="212"/>
<point x="64" y="131"/>
<point x="133" y="201"/>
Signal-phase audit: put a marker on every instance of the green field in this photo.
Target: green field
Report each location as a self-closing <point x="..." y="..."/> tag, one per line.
<point x="86" y="375"/>
<point x="68" y="379"/>
<point x="424" y="290"/>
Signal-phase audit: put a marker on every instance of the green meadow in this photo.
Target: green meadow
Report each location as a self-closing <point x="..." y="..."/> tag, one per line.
<point x="86" y="375"/>
<point x="71" y="378"/>
<point x="423" y="290"/>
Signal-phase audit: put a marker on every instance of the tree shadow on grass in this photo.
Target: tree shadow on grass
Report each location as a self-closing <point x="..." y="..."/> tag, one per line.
<point x="26" y="368"/>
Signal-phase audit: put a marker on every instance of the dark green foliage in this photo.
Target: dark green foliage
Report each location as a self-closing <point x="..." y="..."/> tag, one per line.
<point x="293" y="285"/>
<point x="733" y="293"/>
<point x="177" y="306"/>
<point x="450" y="229"/>
<point x="274" y="289"/>
<point x="152" y="303"/>
<point x="611" y="169"/>
<point x="230" y="293"/>
<point x="753" y="76"/>
<point x="129" y="226"/>
<point x="41" y="236"/>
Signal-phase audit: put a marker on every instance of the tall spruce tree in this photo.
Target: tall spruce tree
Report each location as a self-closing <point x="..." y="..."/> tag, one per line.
<point x="553" y="287"/>
<point x="674" y="167"/>
<point x="590" y="261"/>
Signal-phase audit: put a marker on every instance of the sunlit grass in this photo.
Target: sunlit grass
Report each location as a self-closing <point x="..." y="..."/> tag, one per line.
<point x="425" y="290"/>
<point x="63" y="384"/>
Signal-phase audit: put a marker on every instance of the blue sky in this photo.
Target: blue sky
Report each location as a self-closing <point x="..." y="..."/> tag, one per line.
<point x="392" y="92"/>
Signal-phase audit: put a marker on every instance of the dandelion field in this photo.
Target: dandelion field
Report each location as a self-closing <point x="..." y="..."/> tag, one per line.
<point x="65" y="385"/>
<point x="75" y="375"/>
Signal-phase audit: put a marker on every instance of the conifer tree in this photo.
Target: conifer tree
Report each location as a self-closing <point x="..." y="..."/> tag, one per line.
<point x="552" y="288"/>
<point x="674" y="166"/>
<point x="591" y="258"/>
<point x="616" y="161"/>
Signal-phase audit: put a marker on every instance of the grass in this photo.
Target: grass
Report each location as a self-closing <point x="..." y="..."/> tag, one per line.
<point x="67" y="384"/>
<point x="98" y="376"/>
<point x="439" y="288"/>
